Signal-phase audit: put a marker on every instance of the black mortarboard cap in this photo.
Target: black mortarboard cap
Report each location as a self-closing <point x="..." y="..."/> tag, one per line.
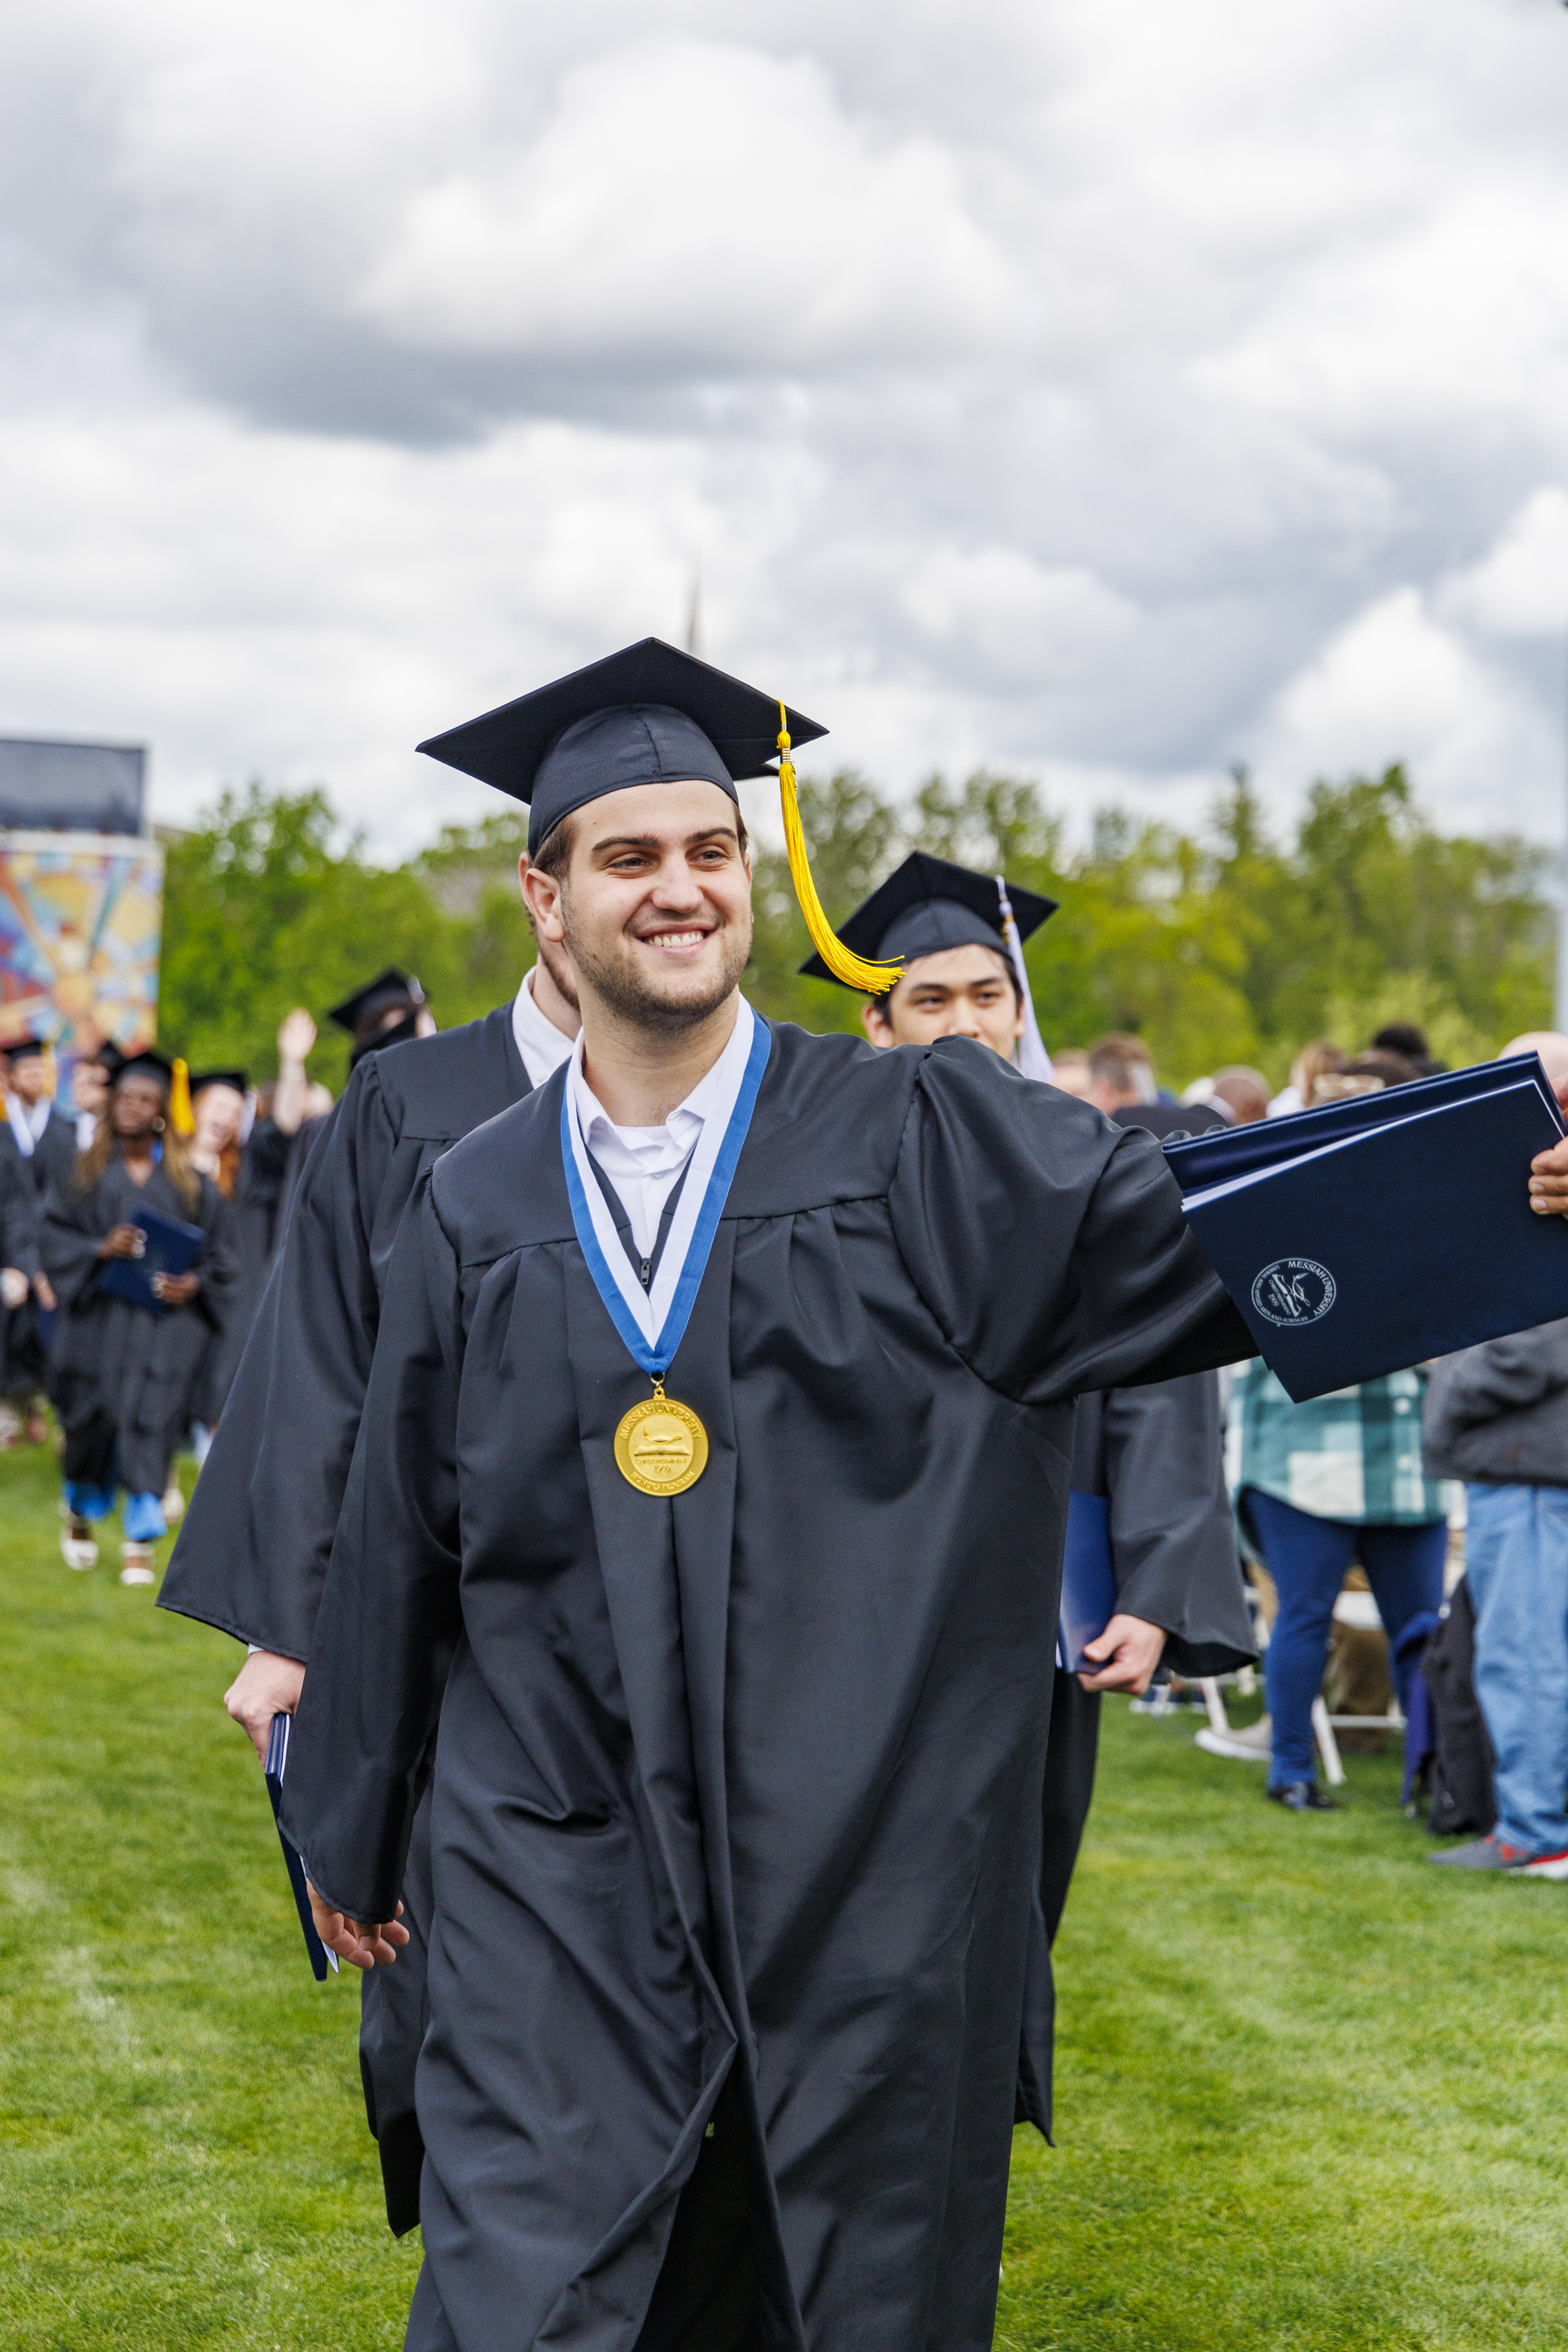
<point x="146" y="1063"/>
<point x="108" y="1058"/>
<point x="378" y="995"/>
<point x="23" y="1049"/>
<point x="396" y="1032"/>
<point x="647" y="715"/>
<point x="927" y="905"/>
<point x="235" y="1078"/>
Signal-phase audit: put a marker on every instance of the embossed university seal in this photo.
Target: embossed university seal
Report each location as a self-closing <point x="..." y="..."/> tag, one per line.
<point x="1294" y="1291"/>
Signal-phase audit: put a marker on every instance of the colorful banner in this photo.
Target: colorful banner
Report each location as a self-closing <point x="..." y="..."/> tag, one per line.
<point x="81" y="918"/>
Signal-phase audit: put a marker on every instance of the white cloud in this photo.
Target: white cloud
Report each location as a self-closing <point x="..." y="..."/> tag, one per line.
<point x="1397" y="685"/>
<point x="698" y="207"/>
<point x="1520" y="588"/>
<point x="1028" y="623"/>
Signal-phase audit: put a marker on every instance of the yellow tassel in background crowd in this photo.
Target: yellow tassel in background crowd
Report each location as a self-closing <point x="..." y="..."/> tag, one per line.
<point x="181" y="1117"/>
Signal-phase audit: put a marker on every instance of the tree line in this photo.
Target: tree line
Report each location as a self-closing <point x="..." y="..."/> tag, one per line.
<point x="1233" y="943"/>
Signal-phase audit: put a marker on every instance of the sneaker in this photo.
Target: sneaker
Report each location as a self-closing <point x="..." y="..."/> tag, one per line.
<point x="172" y="1505"/>
<point x="136" y="1563"/>
<point x="79" y="1544"/>
<point x="1253" y="1745"/>
<point x="1302" y="1797"/>
<point x="1493" y="1852"/>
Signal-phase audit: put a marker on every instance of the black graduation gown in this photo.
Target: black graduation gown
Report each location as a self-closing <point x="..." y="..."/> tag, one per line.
<point x="259" y="1188"/>
<point x="741" y="1784"/>
<point x="122" y="1377"/>
<point x="20" y="1214"/>
<point x="54" y="1151"/>
<point x="1157" y="1455"/>
<point x="253" y="1551"/>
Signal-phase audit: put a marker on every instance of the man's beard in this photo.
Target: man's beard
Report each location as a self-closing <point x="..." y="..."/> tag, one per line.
<point x="621" y="987"/>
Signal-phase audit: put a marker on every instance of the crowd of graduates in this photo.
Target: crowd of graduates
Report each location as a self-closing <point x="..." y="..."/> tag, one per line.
<point x="136" y="1370"/>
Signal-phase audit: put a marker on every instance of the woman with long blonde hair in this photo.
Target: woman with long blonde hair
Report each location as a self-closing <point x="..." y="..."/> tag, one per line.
<point x="124" y="1367"/>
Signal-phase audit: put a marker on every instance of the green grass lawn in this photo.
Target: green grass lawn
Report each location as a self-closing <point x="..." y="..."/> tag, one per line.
<point x="1309" y="2093"/>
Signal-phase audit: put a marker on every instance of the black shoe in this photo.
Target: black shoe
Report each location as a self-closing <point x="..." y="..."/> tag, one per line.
<point x="1302" y="1797"/>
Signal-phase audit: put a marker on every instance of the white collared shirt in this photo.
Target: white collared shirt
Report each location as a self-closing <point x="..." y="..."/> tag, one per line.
<point x="540" y="1044"/>
<point x="28" y="1121"/>
<point x="643" y="1162"/>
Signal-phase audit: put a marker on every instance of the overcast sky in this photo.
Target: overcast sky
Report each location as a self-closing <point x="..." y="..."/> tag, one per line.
<point x="1105" y="390"/>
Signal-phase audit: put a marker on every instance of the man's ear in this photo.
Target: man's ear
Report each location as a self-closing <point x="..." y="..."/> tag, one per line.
<point x="875" y="1022"/>
<point x="542" y="896"/>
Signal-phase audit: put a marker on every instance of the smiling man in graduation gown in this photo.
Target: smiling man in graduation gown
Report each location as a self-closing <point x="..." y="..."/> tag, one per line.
<point x="253" y="1551"/>
<point x="737" y="1517"/>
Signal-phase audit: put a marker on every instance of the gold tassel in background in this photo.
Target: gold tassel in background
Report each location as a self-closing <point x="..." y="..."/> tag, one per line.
<point x="181" y="1117"/>
<point x="841" y="962"/>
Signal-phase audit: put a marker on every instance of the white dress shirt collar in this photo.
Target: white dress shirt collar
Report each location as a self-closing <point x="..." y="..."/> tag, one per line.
<point x="643" y="1162"/>
<point x="27" y="1120"/>
<point x="540" y="1044"/>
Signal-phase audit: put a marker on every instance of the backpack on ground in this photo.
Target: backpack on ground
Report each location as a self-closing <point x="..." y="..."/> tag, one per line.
<point x="1457" y="1772"/>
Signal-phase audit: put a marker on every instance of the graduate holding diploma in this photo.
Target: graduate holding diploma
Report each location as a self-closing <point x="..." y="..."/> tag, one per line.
<point x="719" y="1384"/>
<point x="131" y="1344"/>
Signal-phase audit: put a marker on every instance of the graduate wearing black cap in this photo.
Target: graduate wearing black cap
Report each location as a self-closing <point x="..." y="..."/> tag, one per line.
<point x="254" y="1547"/>
<point x="43" y="1138"/>
<point x="387" y="1010"/>
<point x="1148" y="1458"/>
<point x="45" y="1135"/>
<point x="717" y="1437"/>
<point x="959" y="937"/>
<point x="122" y="1373"/>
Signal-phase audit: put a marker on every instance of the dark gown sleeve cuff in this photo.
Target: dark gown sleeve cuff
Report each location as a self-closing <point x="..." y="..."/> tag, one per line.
<point x="1220" y="1337"/>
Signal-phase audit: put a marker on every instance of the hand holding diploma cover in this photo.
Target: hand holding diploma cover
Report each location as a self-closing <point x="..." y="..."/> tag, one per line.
<point x="320" y="1959"/>
<point x="1370" y="1235"/>
<point x="172" y="1247"/>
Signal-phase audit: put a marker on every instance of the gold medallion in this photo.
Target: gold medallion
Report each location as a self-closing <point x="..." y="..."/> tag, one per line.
<point x="661" y="1448"/>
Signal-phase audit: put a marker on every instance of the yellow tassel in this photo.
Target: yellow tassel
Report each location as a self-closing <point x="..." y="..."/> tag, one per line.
<point x="181" y="1117"/>
<point x="841" y="962"/>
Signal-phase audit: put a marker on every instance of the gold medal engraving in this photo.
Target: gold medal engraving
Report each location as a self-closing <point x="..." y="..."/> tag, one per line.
<point x="661" y="1448"/>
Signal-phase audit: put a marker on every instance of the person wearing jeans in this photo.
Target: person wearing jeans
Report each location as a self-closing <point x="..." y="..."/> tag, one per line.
<point x="1498" y="1415"/>
<point x="1319" y="1487"/>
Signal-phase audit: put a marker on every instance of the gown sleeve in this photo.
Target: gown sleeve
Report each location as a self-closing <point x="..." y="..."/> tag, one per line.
<point x="72" y="1226"/>
<point x="218" y="1264"/>
<point x="20" y="1214"/>
<point x="253" y="1550"/>
<point x="1173" y="1535"/>
<point x="1048" y="1244"/>
<point x="390" y="1611"/>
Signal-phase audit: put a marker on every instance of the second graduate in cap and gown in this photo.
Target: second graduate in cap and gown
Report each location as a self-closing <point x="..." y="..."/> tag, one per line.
<point x="253" y="1547"/>
<point x="729" y="1528"/>
<point x="1148" y="1479"/>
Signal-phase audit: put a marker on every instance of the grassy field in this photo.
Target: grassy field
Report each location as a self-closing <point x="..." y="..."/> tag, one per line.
<point x="1309" y="2093"/>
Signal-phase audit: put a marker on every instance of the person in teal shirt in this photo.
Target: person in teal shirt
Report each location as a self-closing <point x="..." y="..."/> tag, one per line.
<point x="1318" y="1486"/>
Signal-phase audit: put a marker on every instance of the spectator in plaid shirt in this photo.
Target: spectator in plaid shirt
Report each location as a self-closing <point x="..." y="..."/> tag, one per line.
<point x="1318" y="1486"/>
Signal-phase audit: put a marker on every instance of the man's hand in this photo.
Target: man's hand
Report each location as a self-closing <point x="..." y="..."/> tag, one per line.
<point x="124" y="1240"/>
<point x="265" y="1686"/>
<point x="14" y="1286"/>
<point x="1132" y="1648"/>
<point x="177" y="1289"/>
<point x="362" y="1945"/>
<point x="1549" y="1181"/>
<point x="43" y="1291"/>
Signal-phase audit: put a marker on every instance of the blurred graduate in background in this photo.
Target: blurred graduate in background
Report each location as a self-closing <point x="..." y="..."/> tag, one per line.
<point x="125" y="1368"/>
